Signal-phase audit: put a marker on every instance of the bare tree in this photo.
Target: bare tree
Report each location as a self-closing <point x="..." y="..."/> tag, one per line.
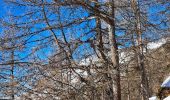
<point x="83" y="49"/>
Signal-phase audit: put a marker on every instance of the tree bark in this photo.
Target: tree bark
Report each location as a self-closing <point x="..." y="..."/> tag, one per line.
<point x="144" y="81"/>
<point x="12" y="75"/>
<point x="115" y="70"/>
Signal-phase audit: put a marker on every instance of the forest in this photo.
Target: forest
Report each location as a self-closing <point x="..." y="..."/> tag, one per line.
<point x="84" y="49"/>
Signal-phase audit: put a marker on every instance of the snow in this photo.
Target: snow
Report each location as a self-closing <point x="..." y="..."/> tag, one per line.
<point x="125" y="56"/>
<point x="157" y="44"/>
<point x="167" y="98"/>
<point x="153" y="98"/>
<point x="87" y="61"/>
<point x="166" y="83"/>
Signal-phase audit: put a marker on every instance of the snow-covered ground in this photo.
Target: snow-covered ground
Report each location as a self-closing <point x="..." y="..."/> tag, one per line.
<point x="153" y="98"/>
<point x="167" y="98"/>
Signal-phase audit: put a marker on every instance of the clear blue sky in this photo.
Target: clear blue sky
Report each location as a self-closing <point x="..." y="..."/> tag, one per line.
<point x="2" y="8"/>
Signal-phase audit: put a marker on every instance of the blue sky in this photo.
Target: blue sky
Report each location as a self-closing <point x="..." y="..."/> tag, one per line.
<point x="5" y="9"/>
<point x="2" y="8"/>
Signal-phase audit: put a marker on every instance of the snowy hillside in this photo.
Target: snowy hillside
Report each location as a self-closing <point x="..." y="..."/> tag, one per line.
<point x="156" y="44"/>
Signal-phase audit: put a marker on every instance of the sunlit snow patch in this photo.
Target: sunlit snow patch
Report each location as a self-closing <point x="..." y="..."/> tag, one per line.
<point x="153" y="98"/>
<point x="166" y="83"/>
<point x="157" y="44"/>
<point x="167" y="98"/>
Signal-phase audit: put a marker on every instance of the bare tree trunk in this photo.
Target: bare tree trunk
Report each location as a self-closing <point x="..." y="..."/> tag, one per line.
<point x="99" y="35"/>
<point x="144" y="81"/>
<point x="12" y="75"/>
<point x="128" y="90"/>
<point x="114" y="55"/>
<point x="100" y="48"/>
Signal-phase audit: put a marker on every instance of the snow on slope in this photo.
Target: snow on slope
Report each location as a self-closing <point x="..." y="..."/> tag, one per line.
<point x="156" y="44"/>
<point x="166" y="83"/>
<point x="167" y="98"/>
<point x="125" y="55"/>
<point x="153" y="98"/>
